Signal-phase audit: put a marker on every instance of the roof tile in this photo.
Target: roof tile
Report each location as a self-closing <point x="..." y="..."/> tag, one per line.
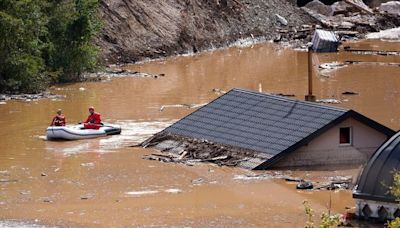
<point x="256" y="121"/>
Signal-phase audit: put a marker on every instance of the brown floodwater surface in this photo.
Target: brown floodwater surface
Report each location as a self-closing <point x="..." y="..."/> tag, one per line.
<point x="105" y="183"/>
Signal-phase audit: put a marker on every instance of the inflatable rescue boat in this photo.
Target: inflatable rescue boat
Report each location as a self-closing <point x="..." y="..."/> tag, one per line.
<point x="75" y="132"/>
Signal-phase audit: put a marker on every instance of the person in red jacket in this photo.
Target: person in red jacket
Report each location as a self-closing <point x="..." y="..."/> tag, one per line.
<point x="93" y="121"/>
<point x="59" y="119"/>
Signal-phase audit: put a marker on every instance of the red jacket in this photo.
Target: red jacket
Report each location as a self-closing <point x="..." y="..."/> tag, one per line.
<point x="93" y="121"/>
<point x="58" y="120"/>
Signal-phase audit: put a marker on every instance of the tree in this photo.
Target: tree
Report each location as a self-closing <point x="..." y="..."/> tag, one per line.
<point x="72" y="27"/>
<point x="21" y="26"/>
<point x="46" y="41"/>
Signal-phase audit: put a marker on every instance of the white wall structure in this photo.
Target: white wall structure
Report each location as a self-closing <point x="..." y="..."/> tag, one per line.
<point x="327" y="150"/>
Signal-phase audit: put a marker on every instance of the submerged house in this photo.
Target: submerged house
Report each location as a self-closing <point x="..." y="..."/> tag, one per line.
<point x="371" y="194"/>
<point x="282" y="132"/>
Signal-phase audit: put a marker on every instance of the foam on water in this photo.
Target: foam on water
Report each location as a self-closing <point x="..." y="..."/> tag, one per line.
<point x="133" y="133"/>
<point x="19" y="224"/>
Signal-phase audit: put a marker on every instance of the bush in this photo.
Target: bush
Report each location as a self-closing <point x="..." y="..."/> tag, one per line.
<point x="46" y="41"/>
<point x="327" y="220"/>
<point x="395" y="191"/>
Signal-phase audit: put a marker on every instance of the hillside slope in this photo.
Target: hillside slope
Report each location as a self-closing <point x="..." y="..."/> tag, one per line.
<point x="138" y="29"/>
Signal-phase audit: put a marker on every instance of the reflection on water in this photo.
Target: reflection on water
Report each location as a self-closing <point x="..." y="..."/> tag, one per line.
<point x="81" y="183"/>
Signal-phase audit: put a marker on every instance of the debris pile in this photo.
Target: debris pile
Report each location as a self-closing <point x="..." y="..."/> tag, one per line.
<point x="329" y="101"/>
<point x="392" y="7"/>
<point x="352" y="18"/>
<point x="31" y="97"/>
<point x="334" y="183"/>
<point x="191" y="25"/>
<point x="189" y="151"/>
<point x="388" y="34"/>
<point x="337" y="182"/>
<point x="117" y="72"/>
<point x="136" y="30"/>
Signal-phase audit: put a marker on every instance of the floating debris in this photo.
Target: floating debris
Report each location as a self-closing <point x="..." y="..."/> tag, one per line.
<point x="332" y="65"/>
<point x="47" y="200"/>
<point x="188" y="106"/>
<point x="349" y="93"/>
<point x="337" y="182"/>
<point x="284" y="94"/>
<point x="218" y="91"/>
<point x="327" y="69"/>
<point x="89" y="164"/>
<point x="198" y="181"/>
<point x="369" y="52"/>
<point x="30" y="97"/>
<point x="5" y="172"/>
<point x="324" y="41"/>
<point x="291" y="179"/>
<point x="253" y="177"/>
<point x="141" y="193"/>
<point x="329" y="101"/>
<point x="173" y="191"/>
<point x="86" y="197"/>
<point x="118" y="73"/>
<point x="305" y="185"/>
<point x="8" y="180"/>
<point x="25" y="192"/>
<point x="375" y="63"/>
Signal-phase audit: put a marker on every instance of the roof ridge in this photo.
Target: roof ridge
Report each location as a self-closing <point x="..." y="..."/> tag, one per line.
<point x="291" y="100"/>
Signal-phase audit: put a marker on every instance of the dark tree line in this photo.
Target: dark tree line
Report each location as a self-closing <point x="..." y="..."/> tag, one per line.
<point x="46" y="41"/>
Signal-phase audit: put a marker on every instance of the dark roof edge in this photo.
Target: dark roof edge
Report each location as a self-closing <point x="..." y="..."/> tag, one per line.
<point x="281" y="98"/>
<point x="350" y="113"/>
<point x="357" y="195"/>
<point x="372" y="123"/>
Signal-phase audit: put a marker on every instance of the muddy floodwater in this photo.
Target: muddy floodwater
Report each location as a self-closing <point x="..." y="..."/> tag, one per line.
<point x="105" y="183"/>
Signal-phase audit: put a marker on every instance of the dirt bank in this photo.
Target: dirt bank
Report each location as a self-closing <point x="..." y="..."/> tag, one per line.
<point x="138" y="29"/>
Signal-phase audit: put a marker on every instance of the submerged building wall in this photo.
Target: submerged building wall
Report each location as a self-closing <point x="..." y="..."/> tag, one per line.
<point x="327" y="150"/>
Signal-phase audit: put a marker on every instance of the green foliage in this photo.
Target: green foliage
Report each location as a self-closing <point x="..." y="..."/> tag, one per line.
<point x="310" y="214"/>
<point x="327" y="220"/>
<point x="330" y="220"/>
<point x="395" y="191"/>
<point x="46" y="41"/>
<point x="395" y="223"/>
<point x="395" y="188"/>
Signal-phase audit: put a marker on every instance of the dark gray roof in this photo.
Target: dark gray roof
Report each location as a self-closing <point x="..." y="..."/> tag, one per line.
<point x="377" y="175"/>
<point x="262" y="122"/>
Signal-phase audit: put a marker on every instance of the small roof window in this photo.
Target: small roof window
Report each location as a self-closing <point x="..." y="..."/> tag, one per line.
<point x="345" y="136"/>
